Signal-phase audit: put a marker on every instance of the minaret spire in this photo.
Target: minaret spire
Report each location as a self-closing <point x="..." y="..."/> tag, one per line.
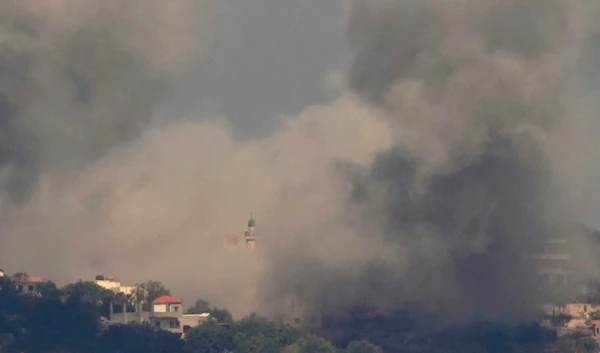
<point x="249" y="233"/>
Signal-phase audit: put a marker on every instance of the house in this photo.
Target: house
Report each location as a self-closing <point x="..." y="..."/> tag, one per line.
<point x="113" y="285"/>
<point x="27" y="284"/>
<point x="554" y="263"/>
<point x="595" y="327"/>
<point x="166" y="314"/>
<point x="579" y="310"/>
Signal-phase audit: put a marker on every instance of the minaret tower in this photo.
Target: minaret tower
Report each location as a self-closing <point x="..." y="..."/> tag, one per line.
<point x="249" y="234"/>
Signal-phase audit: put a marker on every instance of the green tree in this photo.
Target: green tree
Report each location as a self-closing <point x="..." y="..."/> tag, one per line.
<point x="150" y="290"/>
<point x="218" y="314"/>
<point x="221" y="315"/>
<point x="310" y="344"/>
<point x="88" y="291"/>
<point x="13" y="308"/>
<point x="48" y="289"/>
<point x="363" y="347"/>
<point x="139" y="338"/>
<point x="211" y="338"/>
<point x="258" y="334"/>
<point x="200" y="307"/>
<point x="121" y="298"/>
<point x="54" y="326"/>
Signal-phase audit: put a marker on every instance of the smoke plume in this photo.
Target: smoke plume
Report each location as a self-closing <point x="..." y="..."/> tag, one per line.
<point x="78" y="78"/>
<point x="422" y="184"/>
<point x="474" y="93"/>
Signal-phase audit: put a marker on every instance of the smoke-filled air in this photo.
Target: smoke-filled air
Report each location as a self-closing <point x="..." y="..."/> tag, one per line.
<point x="461" y="137"/>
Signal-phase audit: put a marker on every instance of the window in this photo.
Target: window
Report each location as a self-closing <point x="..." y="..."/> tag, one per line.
<point x="19" y="288"/>
<point x="176" y="309"/>
<point x="171" y="324"/>
<point x="157" y="324"/>
<point x="30" y="288"/>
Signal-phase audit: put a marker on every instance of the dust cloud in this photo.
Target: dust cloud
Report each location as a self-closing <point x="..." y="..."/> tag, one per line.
<point x="421" y="183"/>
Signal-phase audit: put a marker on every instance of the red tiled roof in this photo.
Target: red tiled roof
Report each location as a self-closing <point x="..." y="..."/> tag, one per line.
<point x="28" y="279"/>
<point x="167" y="299"/>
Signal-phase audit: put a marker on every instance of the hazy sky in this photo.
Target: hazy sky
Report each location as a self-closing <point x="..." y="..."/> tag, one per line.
<point x="273" y="58"/>
<point x="269" y="58"/>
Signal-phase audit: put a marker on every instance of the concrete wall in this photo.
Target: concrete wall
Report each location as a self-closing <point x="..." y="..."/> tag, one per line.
<point x="127" y="290"/>
<point x="108" y="284"/>
<point x="115" y="286"/>
<point x="165" y="314"/>
<point x="166" y="308"/>
<point x="130" y="318"/>
<point x="160" y="308"/>
<point x="26" y="287"/>
<point x="169" y="320"/>
<point x="579" y="310"/>
<point x="171" y="324"/>
<point x="193" y="320"/>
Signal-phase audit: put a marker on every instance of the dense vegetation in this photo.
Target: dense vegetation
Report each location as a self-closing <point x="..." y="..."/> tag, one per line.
<point x="70" y="320"/>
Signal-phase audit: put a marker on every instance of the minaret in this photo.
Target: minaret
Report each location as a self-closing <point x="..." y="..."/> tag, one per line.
<point x="249" y="234"/>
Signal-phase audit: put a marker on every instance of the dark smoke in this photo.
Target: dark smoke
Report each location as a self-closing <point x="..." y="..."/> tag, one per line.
<point x="446" y="219"/>
<point x="458" y="248"/>
<point x="468" y="232"/>
<point x="78" y="79"/>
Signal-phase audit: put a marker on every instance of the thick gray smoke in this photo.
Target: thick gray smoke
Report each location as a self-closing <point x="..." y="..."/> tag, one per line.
<point x="470" y="101"/>
<point x="78" y="78"/>
<point x="91" y="185"/>
<point x="474" y="91"/>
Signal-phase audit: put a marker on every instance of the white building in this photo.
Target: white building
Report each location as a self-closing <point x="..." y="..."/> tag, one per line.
<point x="166" y="314"/>
<point x="113" y="285"/>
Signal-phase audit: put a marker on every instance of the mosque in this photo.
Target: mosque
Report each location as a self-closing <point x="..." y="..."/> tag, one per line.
<point x="249" y="234"/>
<point x="292" y="310"/>
<point x="233" y="242"/>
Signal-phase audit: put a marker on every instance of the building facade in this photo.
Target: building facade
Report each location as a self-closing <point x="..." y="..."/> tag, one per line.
<point x="554" y="263"/>
<point x="166" y="314"/>
<point x="113" y="285"/>
<point x="26" y="284"/>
